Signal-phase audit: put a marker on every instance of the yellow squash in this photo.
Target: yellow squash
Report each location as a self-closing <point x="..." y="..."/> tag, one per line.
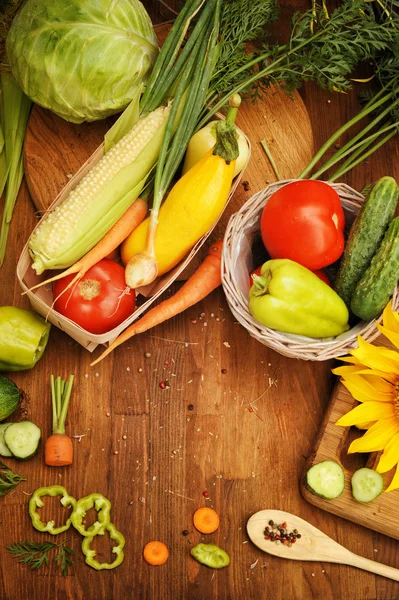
<point x="193" y="205"/>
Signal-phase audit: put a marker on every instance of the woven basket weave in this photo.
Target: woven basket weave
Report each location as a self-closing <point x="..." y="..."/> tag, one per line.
<point x="242" y="229"/>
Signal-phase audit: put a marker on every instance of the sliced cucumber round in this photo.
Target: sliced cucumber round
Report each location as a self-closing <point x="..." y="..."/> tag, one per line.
<point x="4" y="451"/>
<point x="326" y="479"/>
<point x="22" y="439"/>
<point x="367" y="484"/>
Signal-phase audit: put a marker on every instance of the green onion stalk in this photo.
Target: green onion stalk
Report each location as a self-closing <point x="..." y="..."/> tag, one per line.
<point x="14" y="112"/>
<point x="188" y="83"/>
<point x="383" y="127"/>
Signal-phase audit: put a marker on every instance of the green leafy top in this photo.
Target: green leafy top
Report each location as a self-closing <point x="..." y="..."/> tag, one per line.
<point x="35" y="555"/>
<point x="8" y="479"/>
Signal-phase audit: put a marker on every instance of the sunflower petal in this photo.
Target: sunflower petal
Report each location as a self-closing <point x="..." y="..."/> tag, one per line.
<point x="390" y="457"/>
<point x="347" y="370"/>
<point x="377" y="437"/>
<point x="393" y="336"/>
<point x="377" y="357"/>
<point x="390" y="318"/>
<point x="349" y="359"/>
<point x="364" y="391"/>
<point x="360" y="369"/>
<point x="368" y="411"/>
<point x="365" y="425"/>
<point x="394" y="485"/>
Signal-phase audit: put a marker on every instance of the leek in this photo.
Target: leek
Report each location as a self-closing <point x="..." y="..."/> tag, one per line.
<point x="15" y="109"/>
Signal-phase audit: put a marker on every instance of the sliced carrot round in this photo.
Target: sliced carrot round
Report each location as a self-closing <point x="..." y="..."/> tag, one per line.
<point x="155" y="553"/>
<point x="206" y="520"/>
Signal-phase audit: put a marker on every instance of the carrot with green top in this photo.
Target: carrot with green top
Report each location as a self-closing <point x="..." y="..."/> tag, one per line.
<point x="206" y="278"/>
<point x="111" y="240"/>
<point x="58" y="449"/>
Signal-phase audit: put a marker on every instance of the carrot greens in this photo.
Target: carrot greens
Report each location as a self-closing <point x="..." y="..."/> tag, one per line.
<point x="36" y="555"/>
<point x="322" y="48"/>
<point x="8" y="479"/>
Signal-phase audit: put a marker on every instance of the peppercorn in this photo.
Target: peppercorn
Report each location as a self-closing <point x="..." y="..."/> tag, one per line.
<point x="185" y="532"/>
<point x="190" y="407"/>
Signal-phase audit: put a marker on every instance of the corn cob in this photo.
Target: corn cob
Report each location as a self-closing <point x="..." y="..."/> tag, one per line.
<point x="100" y="198"/>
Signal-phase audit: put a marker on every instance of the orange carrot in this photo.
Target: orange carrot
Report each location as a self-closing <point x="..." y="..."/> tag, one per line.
<point x="111" y="240"/>
<point x="206" y="520"/>
<point x="206" y="278"/>
<point x="58" y="450"/>
<point x="155" y="553"/>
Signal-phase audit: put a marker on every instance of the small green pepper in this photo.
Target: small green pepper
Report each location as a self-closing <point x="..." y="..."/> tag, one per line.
<point x="210" y="555"/>
<point x="290" y="298"/>
<point x="23" y="338"/>
<point x="90" y="554"/>
<point x="103" y="507"/>
<point x="36" y="502"/>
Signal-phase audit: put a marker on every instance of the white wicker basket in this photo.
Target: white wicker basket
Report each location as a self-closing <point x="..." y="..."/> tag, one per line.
<point x="242" y="229"/>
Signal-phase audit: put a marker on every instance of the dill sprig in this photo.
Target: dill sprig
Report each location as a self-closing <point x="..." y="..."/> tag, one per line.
<point x="8" y="479"/>
<point x="35" y="555"/>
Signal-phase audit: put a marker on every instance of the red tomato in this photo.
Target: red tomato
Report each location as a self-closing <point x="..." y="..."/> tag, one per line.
<point x="323" y="276"/>
<point x="304" y="221"/>
<point x="255" y="272"/>
<point x="99" y="302"/>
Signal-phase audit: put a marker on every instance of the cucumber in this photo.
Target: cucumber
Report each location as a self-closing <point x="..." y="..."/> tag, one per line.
<point x="366" y="484"/>
<point x="372" y="292"/>
<point x="326" y="479"/>
<point x="366" y="234"/>
<point x="4" y="451"/>
<point x="10" y="397"/>
<point x="22" y="439"/>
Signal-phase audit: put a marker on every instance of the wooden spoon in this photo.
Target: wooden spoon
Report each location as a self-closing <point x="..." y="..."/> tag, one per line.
<point x="312" y="545"/>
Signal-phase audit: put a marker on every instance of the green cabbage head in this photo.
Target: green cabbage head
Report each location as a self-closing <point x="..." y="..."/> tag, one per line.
<point x="82" y="59"/>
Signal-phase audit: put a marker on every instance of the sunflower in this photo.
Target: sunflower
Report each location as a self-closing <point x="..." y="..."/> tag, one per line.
<point x="372" y="377"/>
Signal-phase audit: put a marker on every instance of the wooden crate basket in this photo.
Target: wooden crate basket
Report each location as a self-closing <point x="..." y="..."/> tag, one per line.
<point x="42" y="298"/>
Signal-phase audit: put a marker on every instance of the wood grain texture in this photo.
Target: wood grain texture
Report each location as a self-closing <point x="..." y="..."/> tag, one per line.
<point x="332" y="444"/>
<point x="197" y="435"/>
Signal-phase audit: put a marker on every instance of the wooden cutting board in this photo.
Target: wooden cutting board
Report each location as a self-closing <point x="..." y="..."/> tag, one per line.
<point x="55" y="149"/>
<point x="332" y="444"/>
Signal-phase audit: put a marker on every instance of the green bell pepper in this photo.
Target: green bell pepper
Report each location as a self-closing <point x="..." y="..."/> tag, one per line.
<point x="290" y="298"/>
<point x="23" y="338"/>
<point x="90" y="554"/>
<point x="210" y="555"/>
<point x="36" y="502"/>
<point x="103" y="507"/>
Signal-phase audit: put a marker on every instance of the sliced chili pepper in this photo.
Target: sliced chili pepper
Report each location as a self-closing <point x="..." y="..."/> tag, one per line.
<point x="103" y="507"/>
<point x="36" y="502"/>
<point x="210" y="555"/>
<point x="90" y="554"/>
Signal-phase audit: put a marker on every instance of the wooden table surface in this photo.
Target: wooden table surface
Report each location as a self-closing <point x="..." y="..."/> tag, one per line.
<point x="158" y="454"/>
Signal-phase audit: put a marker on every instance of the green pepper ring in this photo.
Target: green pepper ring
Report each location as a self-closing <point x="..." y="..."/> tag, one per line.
<point x="36" y="502"/>
<point x="114" y="534"/>
<point x="103" y="507"/>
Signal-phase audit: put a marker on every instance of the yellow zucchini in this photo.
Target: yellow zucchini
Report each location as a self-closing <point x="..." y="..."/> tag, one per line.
<point x="193" y="205"/>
